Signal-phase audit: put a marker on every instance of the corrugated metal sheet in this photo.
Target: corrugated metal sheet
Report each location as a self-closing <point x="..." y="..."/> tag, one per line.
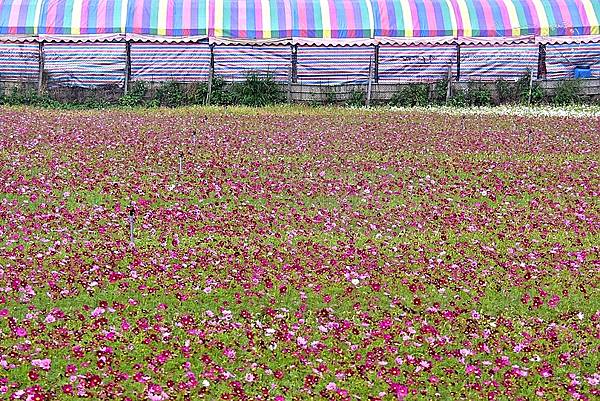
<point x="490" y="63"/>
<point x="182" y="62"/>
<point x="561" y="59"/>
<point x="84" y="65"/>
<point x="326" y="65"/>
<point x="415" y="64"/>
<point x="19" y="62"/>
<point x="234" y="63"/>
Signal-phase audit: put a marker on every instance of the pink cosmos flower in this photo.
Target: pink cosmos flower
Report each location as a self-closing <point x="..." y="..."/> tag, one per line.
<point x="42" y="363"/>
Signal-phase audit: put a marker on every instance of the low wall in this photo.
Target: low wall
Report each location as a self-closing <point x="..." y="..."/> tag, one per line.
<point x="296" y="92"/>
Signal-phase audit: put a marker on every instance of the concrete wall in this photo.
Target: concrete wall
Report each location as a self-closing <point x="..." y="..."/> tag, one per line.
<point x="297" y="92"/>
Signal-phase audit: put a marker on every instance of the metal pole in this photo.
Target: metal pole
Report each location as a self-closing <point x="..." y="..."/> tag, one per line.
<point x="369" y="85"/>
<point x="211" y="72"/>
<point x="294" y="63"/>
<point x="376" y="78"/>
<point x="541" y="70"/>
<point x="40" y="85"/>
<point x="127" y="66"/>
<point x="457" y="62"/>
<point x="180" y="162"/>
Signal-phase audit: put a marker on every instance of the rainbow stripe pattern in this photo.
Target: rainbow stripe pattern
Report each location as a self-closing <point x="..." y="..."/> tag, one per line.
<point x="335" y="19"/>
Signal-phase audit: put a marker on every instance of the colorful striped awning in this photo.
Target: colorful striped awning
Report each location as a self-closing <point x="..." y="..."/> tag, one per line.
<point x="323" y="19"/>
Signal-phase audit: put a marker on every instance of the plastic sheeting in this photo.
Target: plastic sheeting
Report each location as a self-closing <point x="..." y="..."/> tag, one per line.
<point x="494" y="62"/>
<point x="327" y="65"/>
<point x="181" y="62"/>
<point x="85" y="65"/>
<point x="19" y="62"/>
<point x="415" y="64"/>
<point x="561" y="59"/>
<point x="235" y="63"/>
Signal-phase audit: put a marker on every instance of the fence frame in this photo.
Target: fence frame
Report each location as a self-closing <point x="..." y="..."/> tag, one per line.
<point x="295" y="43"/>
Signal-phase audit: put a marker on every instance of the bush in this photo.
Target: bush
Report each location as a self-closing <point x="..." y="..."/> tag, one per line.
<point x="567" y="92"/>
<point x="440" y="90"/>
<point x="506" y="91"/>
<point x="171" y="94"/>
<point x="411" y="95"/>
<point x="357" y="98"/>
<point x="220" y="94"/>
<point x="257" y="91"/>
<point x="476" y="94"/>
<point x="135" y="96"/>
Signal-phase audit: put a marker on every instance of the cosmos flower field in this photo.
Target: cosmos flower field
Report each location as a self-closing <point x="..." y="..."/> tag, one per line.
<point x="299" y="255"/>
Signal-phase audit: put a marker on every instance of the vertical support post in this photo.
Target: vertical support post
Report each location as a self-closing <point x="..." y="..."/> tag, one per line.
<point x="541" y="70"/>
<point x="294" y="63"/>
<point x="289" y="85"/>
<point x="530" y="89"/>
<point x="369" y="85"/>
<point x="449" y="85"/>
<point x="457" y="62"/>
<point x="376" y="77"/>
<point x="211" y="72"/>
<point x="40" y="85"/>
<point x="127" y="66"/>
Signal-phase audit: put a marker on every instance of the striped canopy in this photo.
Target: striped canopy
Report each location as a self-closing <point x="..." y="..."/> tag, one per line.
<point x="335" y="19"/>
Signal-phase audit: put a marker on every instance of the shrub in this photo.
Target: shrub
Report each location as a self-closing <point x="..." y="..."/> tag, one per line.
<point x="171" y="94"/>
<point x="440" y="89"/>
<point x="567" y="92"/>
<point x="220" y="93"/>
<point x="135" y="96"/>
<point x="479" y="95"/>
<point x="257" y="91"/>
<point x="357" y="98"/>
<point x="506" y="91"/>
<point x="411" y="95"/>
<point x="196" y="93"/>
<point x="476" y="94"/>
<point x="23" y="96"/>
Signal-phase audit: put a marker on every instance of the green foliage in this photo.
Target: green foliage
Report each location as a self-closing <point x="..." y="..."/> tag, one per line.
<point x="135" y="95"/>
<point x="20" y="96"/>
<point x="440" y="89"/>
<point x="330" y="95"/>
<point x="517" y="92"/>
<point x="196" y="93"/>
<point x="567" y="92"/>
<point x="220" y="94"/>
<point x="411" y="95"/>
<point x="257" y="91"/>
<point x="505" y="91"/>
<point x="171" y="94"/>
<point x="476" y="94"/>
<point x="357" y="98"/>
